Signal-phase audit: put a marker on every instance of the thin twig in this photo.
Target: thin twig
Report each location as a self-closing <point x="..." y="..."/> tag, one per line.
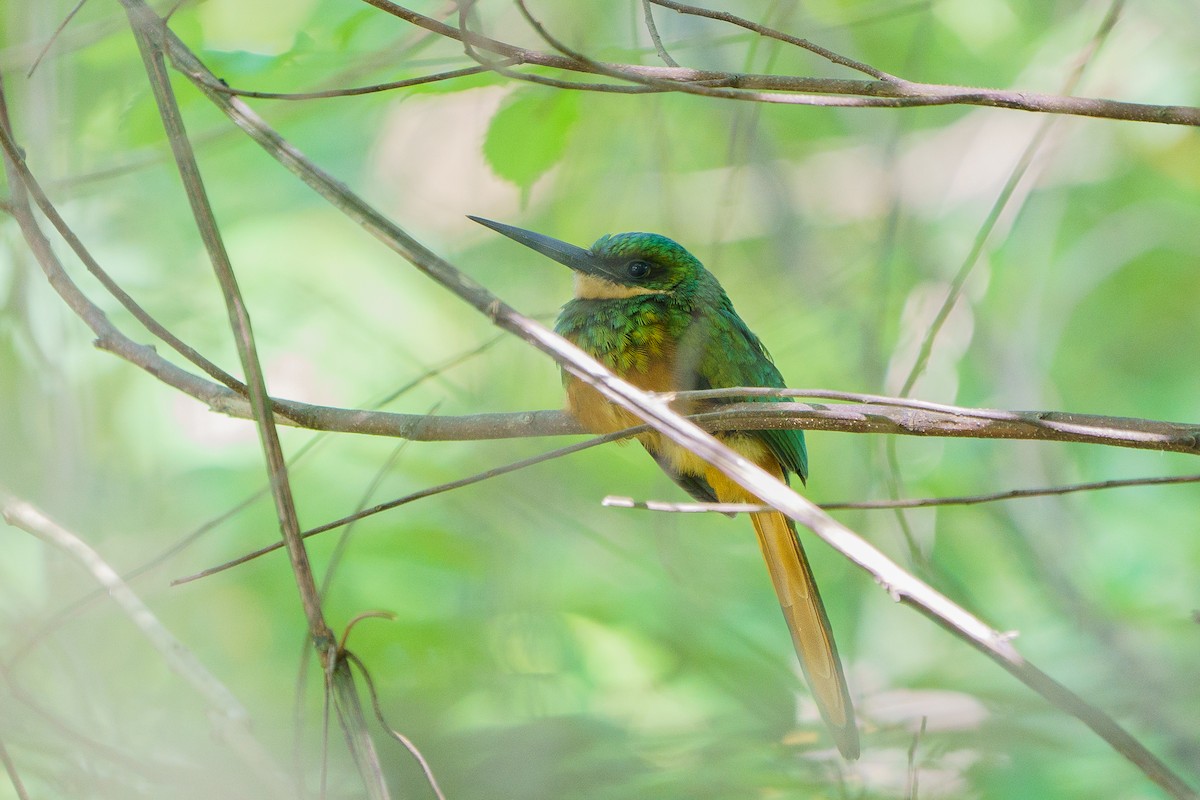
<point x="876" y="93"/>
<point x="354" y="91"/>
<point x="14" y="776"/>
<point x="652" y="29"/>
<point x="955" y="290"/>
<point x="615" y="501"/>
<point x="419" y="495"/>
<point x="407" y="743"/>
<point x="54" y="37"/>
<point x="772" y="33"/>
<point x="228" y="711"/>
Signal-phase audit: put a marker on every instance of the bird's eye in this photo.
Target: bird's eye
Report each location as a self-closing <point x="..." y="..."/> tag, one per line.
<point x="638" y="269"/>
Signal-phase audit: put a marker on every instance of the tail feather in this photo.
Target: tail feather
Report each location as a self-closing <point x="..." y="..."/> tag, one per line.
<point x="811" y="634"/>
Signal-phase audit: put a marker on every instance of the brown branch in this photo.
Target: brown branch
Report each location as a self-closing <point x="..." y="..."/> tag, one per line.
<point x="845" y="418"/>
<point x="14" y="776"/>
<point x="149" y="31"/>
<point x="652" y="29"/>
<point x="218" y="86"/>
<point x="772" y="33"/>
<point x="786" y="89"/>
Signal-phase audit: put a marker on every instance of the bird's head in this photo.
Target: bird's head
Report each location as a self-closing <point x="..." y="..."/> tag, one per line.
<point x="617" y="265"/>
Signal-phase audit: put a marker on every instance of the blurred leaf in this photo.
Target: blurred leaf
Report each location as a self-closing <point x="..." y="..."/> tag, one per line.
<point x="529" y="134"/>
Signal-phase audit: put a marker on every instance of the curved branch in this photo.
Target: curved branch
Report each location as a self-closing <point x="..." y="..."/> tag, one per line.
<point x="786" y="89"/>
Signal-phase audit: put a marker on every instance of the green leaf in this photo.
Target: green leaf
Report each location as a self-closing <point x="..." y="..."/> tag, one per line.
<point x="529" y="134"/>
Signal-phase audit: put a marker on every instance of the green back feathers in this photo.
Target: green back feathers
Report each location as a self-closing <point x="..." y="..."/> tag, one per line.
<point x="669" y="297"/>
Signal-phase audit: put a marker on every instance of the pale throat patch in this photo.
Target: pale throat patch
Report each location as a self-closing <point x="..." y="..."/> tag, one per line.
<point x="589" y="287"/>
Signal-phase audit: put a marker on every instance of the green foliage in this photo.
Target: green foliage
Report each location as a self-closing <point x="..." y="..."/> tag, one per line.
<point x="545" y="646"/>
<point x="521" y="151"/>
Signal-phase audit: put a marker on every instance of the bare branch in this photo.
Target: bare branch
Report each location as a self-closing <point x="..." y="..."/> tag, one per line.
<point x="846" y="418"/>
<point x="652" y="29"/>
<point x="772" y="33"/>
<point x="230" y="715"/>
<point x="787" y="89"/>
<point x="954" y="292"/>
<point x="616" y="501"/>
<point x="407" y="743"/>
<point x="54" y="37"/>
<point x="148" y="30"/>
<point x="356" y="91"/>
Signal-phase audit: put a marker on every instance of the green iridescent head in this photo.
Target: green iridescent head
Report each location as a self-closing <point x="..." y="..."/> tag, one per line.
<point x="647" y="262"/>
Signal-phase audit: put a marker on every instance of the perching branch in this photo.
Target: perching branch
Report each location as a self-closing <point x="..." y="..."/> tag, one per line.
<point x="899" y="416"/>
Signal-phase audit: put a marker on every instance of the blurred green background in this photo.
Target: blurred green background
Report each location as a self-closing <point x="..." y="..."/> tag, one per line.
<point x="544" y="646"/>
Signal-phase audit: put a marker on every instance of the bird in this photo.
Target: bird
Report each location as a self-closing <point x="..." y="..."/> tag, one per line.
<point x="650" y="311"/>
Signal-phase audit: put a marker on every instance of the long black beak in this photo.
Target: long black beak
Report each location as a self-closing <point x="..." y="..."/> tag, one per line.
<point x="574" y="257"/>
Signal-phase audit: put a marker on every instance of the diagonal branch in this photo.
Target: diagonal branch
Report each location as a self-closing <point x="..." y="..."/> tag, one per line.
<point x="772" y="33"/>
<point x="1032" y="148"/>
<point x="149" y="30"/>
<point x="228" y="713"/>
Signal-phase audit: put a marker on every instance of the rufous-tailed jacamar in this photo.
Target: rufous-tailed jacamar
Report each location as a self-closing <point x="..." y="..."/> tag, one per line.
<point x="648" y="310"/>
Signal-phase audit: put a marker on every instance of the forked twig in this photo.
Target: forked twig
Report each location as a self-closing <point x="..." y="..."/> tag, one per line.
<point x="798" y="90"/>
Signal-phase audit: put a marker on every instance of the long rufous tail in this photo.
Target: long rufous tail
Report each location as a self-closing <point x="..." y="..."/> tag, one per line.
<point x="805" y="615"/>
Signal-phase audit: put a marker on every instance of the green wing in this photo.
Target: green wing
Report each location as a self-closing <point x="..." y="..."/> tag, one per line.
<point x="733" y="356"/>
